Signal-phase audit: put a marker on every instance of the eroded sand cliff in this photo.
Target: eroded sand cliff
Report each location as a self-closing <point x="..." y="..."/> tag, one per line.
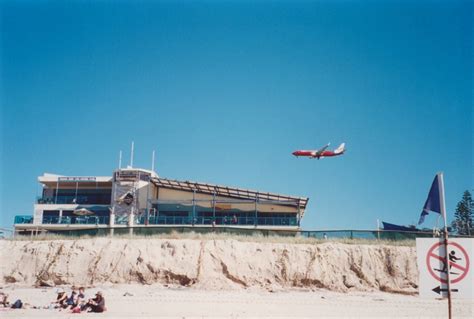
<point x="209" y="264"/>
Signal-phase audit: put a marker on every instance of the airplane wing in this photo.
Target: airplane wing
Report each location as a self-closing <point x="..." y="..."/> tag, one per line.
<point x="320" y="151"/>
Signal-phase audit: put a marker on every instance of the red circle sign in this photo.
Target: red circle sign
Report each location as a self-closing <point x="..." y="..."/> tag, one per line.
<point x="434" y="256"/>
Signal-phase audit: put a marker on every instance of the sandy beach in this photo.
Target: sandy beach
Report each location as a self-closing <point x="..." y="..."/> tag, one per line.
<point x="138" y="301"/>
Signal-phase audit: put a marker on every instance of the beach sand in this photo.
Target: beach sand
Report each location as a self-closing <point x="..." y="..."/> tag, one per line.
<point x="153" y="301"/>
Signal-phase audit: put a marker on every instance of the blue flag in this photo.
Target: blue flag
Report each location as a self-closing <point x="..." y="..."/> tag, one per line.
<point x="432" y="202"/>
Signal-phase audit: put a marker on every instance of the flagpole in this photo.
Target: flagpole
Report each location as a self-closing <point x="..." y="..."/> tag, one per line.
<point x="443" y="213"/>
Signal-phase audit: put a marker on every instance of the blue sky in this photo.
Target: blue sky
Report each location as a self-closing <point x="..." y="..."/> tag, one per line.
<point x="225" y="91"/>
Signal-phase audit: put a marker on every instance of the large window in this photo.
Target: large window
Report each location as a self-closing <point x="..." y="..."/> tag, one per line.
<point x="96" y="196"/>
<point x="51" y="217"/>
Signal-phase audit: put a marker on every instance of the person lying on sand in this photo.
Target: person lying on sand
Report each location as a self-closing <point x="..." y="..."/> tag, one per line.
<point x="97" y="304"/>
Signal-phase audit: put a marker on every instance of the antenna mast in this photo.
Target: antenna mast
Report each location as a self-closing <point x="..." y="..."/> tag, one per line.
<point x="131" y="155"/>
<point x="153" y="161"/>
<point x="120" y="160"/>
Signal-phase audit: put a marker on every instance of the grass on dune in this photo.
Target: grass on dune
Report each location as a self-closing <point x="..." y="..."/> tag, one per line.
<point x="259" y="238"/>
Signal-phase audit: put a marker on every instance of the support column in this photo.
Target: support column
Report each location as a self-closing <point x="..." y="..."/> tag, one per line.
<point x="75" y="194"/>
<point x="131" y="221"/>
<point x="299" y="214"/>
<point x="112" y="218"/>
<point x="57" y="191"/>
<point x="214" y="206"/>
<point x="256" y="210"/>
<point x="194" y="207"/>
<point x="131" y="217"/>
<point x="147" y="211"/>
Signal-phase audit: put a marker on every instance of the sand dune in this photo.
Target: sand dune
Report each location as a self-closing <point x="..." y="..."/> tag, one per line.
<point x="209" y="264"/>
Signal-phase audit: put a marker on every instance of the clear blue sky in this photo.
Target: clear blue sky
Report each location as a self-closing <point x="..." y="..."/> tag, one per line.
<point x="226" y="91"/>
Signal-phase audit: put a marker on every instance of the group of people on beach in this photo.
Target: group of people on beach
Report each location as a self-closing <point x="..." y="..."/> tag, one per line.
<point x="75" y="302"/>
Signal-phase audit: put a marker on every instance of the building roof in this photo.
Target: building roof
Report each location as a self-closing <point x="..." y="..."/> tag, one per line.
<point x="231" y="192"/>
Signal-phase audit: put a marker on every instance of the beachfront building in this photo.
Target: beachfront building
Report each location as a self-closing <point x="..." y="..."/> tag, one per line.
<point x="139" y="201"/>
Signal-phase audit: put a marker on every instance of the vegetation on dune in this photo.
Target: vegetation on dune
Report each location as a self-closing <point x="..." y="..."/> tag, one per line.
<point x="227" y="236"/>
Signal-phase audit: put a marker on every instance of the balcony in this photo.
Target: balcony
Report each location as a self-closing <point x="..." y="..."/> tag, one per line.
<point x="23" y="219"/>
<point x="79" y="220"/>
<point x="220" y="221"/>
<point x="68" y="199"/>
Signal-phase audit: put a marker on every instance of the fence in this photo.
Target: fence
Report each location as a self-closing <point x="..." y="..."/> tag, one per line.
<point x="318" y="234"/>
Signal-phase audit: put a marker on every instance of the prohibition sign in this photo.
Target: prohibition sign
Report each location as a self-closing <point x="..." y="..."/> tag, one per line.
<point x="432" y="254"/>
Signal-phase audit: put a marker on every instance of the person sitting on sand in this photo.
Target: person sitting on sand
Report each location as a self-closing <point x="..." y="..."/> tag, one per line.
<point x="80" y="301"/>
<point x="81" y="296"/>
<point x="97" y="304"/>
<point x="61" y="298"/>
<point x="4" y="299"/>
<point x="71" y="301"/>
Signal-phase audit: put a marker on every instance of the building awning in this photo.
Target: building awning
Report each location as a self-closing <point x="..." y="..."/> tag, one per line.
<point x="232" y="192"/>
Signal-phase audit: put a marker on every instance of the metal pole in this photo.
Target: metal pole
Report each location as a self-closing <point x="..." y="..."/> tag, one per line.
<point x="378" y="229"/>
<point x="437" y="225"/>
<point x="153" y="161"/>
<point x="443" y="213"/>
<point x="120" y="160"/>
<point x="131" y="155"/>
<point x="114" y="195"/>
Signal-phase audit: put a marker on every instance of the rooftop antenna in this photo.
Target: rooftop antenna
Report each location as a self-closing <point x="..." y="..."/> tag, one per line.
<point x="120" y="160"/>
<point x="131" y="155"/>
<point x="153" y="161"/>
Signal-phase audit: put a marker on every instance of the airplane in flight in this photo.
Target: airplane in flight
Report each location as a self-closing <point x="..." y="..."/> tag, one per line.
<point x="321" y="153"/>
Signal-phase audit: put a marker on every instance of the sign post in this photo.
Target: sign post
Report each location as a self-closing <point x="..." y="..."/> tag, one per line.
<point x="434" y="270"/>
<point x="443" y="213"/>
<point x="438" y="257"/>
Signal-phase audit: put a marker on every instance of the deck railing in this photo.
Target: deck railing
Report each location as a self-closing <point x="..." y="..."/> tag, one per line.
<point x="69" y="199"/>
<point x="219" y="221"/>
<point x="23" y="219"/>
<point x="81" y="220"/>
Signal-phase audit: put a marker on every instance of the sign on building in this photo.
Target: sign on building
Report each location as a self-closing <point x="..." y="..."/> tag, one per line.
<point x="433" y="269"/>
<point x="76" y="179"/>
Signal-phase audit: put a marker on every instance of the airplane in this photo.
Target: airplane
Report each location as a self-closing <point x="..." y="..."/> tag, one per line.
<point x="321" y="153"/>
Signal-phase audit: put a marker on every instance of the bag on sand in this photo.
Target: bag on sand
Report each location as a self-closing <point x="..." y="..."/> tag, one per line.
<point x="76" y="309"/>
<point x="17" y="304"/>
